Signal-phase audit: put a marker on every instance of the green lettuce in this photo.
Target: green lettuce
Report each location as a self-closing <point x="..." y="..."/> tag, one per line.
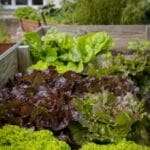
<point x="16" y="138"/>
<point x="66" y="52"/>
<point x="106" y="117"/>
<point x="123" y="145"/>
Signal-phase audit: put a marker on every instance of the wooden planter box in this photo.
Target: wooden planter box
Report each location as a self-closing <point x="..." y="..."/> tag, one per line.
<point x="29" y="25"/>
<point x="4" y="47"/>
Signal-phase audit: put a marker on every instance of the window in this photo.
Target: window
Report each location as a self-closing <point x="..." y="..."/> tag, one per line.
<point x="37" y="2"/>
<point x="21" y="2"/>
<point x="5" y="2"/>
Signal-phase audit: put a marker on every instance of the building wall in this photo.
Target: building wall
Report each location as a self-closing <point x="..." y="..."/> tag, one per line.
<point x="45" y="2"/>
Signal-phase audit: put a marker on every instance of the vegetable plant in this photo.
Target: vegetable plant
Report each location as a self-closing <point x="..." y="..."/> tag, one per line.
<point x="106" y="117"/>
<point x="123" y="145"/>
<point x="66" y="52"/>
<point x="14" y="137"/>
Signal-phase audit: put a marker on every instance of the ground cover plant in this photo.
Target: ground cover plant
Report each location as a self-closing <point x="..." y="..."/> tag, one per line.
<point x="83" y="91"/>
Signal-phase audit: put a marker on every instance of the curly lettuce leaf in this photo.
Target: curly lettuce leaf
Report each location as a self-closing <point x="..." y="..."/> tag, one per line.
<point x="66" y="52"/>
<point x="123" y="145"/>
<point x="92" y="44"/>
<point x="33" y="39"/>
<point x="40" y="65"/>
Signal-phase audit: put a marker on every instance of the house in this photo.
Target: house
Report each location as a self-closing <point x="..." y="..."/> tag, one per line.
<point x="13" y="4"/>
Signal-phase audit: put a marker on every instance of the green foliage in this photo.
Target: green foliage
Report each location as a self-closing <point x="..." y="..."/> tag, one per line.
<point x="66" y="52"/>
<point x="80" y="133"/>
<point x="99" y="11"/>
<point x="67" y="11"/>
<point x="108" y="64"/>
<point x="106" y="117"/>
<point x="134" y="12"/>
<point x="139" y="45"/>
<point x="27" y="13"/>
<point x="145" y="87"/>
<point x="14" y="137"/>
<point x="110" y="11"/>
<point x="133" y="62"/>
<point x="124" y="145"/>
<point x="64" y="14"/>
<point x="141" y="131"/>
<point x="4" y="36"/>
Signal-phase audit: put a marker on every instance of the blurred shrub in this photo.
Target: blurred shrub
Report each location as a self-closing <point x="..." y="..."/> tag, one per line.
<point x="27" y="13"/>
<point x="106" y="11"/>
<point x="134" y="12"/>
<point x="4" y="36"/>
<point x="99" y="11"/>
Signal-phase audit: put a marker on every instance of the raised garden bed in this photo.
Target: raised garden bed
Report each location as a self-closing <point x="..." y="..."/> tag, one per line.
<point x="81" y="91"/>
<point x="4" y="47"/>
<point x="8" y="62"/>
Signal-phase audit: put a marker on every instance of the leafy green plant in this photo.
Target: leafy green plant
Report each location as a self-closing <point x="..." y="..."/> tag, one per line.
<point x="27" y="13"/>
<point x="67" y="11"/>
<point x="134" y="11"/>
<point x="106" y="11"/>
<point x="65" y="52"/>
<point x="106" y="117"/>
<point x="64" y="14"/>
<point x="99" y="11"/>
<point x="139" y="45"/>
<point x="108" y="64"/>
<point x="14" y="137"/>
<point x="124" y="145"/>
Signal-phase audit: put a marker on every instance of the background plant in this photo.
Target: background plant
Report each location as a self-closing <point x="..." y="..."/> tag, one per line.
<point x="105" y="11"/>
<point x="27" y="13"/>
<point x="4" y="36"/>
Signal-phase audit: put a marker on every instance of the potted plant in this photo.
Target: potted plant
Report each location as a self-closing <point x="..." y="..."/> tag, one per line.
<point x="28" y="17"/>
<point x="5" y="39"/>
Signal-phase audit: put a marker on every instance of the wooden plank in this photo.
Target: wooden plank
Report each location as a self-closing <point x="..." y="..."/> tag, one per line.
<point x="148" y="32"/>
<point x="24" y="60"/>
<point x="8" y="64"/>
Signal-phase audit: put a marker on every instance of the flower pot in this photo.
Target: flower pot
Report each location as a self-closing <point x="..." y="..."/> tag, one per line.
<point x="4" y="47"/>
<point x="29" y="25"/>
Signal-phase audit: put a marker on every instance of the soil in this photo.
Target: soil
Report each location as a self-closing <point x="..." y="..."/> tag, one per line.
<point x="4" y="47"/>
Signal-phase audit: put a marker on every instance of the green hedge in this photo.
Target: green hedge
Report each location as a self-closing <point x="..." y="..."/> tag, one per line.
<point x="110" y="11"/>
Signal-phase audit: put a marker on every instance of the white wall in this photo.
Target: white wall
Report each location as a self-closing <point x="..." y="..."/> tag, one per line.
<point x="56" y="2"/>
<point x="45" y="2"/>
